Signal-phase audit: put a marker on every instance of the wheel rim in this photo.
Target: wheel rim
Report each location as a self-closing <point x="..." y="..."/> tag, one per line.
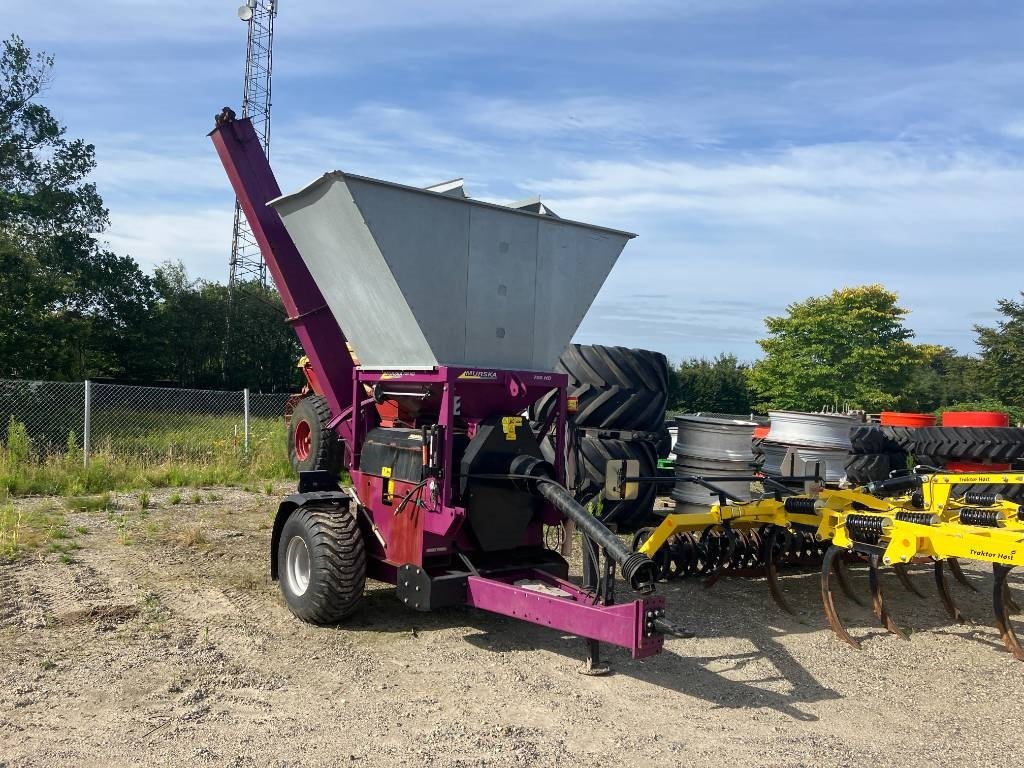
<point x="296" y="559"/>
<point x="303" y="440"/>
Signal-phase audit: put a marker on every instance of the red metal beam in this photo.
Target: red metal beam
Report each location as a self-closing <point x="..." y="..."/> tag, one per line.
<point x="254" y="184"/>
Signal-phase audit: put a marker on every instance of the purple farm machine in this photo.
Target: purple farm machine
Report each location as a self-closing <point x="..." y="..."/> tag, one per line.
<point x="458" y="311"/>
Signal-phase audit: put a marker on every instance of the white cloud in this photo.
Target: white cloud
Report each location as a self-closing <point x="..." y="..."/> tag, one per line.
<point x="199" y="238"/>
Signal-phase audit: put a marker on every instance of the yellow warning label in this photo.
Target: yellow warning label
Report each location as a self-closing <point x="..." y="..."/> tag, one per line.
<point x="573" y="403"/>
<point x="509" y="425"/>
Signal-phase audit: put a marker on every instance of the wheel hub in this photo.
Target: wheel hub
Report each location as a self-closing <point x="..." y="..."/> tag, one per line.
<point x="303" y="440"/>
<point x="297" y="565"/>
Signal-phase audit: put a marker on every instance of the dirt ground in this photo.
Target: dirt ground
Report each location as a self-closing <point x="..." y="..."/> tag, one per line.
<point x="162" y="641"/>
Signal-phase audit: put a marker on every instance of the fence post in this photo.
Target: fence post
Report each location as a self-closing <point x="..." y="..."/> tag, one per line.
<point x="245" y="421"/>
<point x="87" y="425"/>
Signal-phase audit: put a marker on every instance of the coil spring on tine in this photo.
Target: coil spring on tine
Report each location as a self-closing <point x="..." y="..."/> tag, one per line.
<point x="980" y="499"/>
<point x="799" y="504"/>
<point x="865" y="528"/>
<point x="918" y="518"/>
<point x="988" y="518"/>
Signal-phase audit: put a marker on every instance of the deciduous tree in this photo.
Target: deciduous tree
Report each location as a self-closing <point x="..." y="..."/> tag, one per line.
<point x="848" y="348"/>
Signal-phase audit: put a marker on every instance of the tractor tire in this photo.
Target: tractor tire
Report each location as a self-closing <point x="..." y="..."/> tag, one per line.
<point x="311" y="445"/>
<point x="321" y="563"/>
<point x="663" y="447"/>
<point x="595" y="453"/>
<point x="994" y="444"/>
<point x="614" y="387"/>
<point x="615" y="367"/>
<point x="869" y="467"/>
<point x="866" y="439"/>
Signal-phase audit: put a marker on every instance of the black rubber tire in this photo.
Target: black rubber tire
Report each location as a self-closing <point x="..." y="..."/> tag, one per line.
<point x="867" y="439"/>
<point x="615" y="367"/>
<point x="595" y="453"/>
<point x="326" y="451"/>
<point x="757" y="449"/>
<point x="664" y="445"/>
<point x="997" y="444"/>
<point x="337" y="563"/>
<point x="615" y="388"/>
<point x="941" y="444"/>
<point x="869" y="467"/>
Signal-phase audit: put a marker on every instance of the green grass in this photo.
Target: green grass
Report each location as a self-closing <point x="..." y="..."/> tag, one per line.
<point x="168" y="455"/>
<point x="44" y="526"/>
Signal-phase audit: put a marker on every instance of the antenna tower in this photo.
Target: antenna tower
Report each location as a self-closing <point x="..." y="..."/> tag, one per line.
<point x="246" y="259"/>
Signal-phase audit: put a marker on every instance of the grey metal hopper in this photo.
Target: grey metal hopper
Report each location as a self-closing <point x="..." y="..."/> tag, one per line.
<point x="417" y="278"/>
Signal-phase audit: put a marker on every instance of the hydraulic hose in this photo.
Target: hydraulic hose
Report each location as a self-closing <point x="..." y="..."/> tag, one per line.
<point x="893" y="485"/>
<point x="639" y="571"/>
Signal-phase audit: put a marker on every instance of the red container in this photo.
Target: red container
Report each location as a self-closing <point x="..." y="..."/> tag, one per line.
<point x="897" y="419"/>
<point x="760" y="432"/>
<point x="973" y="466"/>
<point x="975" y="419"/>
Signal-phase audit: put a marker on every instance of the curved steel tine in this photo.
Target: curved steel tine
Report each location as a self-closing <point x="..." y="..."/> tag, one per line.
<point x="945" y="596"/>
<point x="724" y="556"/>
<point x="959" y="575"/>
<point x="771" y="572"/>
<point x="828" y="602"/>
<point x="878" y="600"/>
<point x="1008" y="599"/>
<point x="844" y="581"/>
<point x="904" y="577"/>
<point x="999" y="573"/>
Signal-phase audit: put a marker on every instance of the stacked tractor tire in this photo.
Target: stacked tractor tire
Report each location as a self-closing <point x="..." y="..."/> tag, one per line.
<point x="877" y="450"/>
<point x="620" y="396"/>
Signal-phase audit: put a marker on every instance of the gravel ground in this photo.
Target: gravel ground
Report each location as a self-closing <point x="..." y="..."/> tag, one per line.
<point x="163" y="642"/>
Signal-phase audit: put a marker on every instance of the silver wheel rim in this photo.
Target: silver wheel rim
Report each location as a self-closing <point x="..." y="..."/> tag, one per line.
<point x="296" y="559"/>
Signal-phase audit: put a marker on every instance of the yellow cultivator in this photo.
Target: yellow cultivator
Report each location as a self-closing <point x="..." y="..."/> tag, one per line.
<point x="910" y="519"/>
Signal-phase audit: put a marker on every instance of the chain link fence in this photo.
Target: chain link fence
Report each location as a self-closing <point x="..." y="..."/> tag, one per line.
<point x="150" y="423"/>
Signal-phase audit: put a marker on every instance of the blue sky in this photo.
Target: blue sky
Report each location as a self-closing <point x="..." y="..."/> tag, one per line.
<point x="764" y="150"/>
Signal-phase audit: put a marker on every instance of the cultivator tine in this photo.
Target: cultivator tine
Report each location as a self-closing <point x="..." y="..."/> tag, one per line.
<point x="878" y="600"/>
<point x="999" y="593"/>
<point x="945" y="596"/>
<point x="771" y="572"/>
<point x="904" y="577"/>
<point x="959" y="575"/>
<point x="827" y="568"/>
<point x="1008" y="599"/>
<point x="843" y="576"/>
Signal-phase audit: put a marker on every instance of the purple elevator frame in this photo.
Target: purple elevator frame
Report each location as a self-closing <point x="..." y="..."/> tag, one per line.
<point x="463" y="399"/>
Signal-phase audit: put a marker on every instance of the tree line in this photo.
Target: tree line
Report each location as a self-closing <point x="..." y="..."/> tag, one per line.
<point x="72" y="309"/>
<point x="853" y="349"/>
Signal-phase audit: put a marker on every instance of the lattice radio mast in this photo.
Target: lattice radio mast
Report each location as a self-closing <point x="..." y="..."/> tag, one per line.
<point x="246" y="260"/>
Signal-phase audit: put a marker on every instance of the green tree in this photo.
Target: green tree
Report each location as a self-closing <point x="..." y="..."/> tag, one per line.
<point x="716" y="386"/>
<point x="848" y="348"/>
<point x="941" y="378"/>
<point x="1001" y="372"/>
<point x="188" y="335"/>
<point x="68" y="307"/>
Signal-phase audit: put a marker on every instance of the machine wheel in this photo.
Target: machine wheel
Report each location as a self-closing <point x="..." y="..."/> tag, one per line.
<point x="615" y="388"/>
<point x="596" y="453"/>
<point x="866" y="468"/>
<point x="311" y="445"/>
<point x="615" y="367"/>
<point x="321" y="564"/>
